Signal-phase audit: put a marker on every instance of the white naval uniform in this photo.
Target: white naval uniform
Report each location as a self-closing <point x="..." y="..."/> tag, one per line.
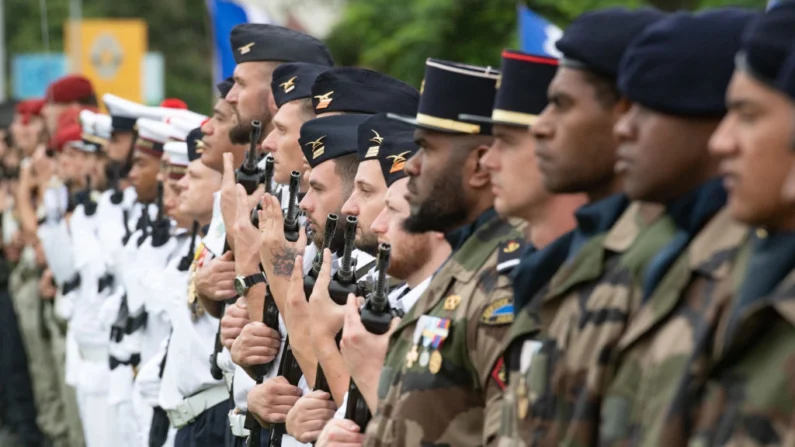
<point x="158" y="265"/>
<point x="89" y="329"/>
<point x="187" y="368"/>
<point x="122" y="376"/>
<point x="403" y="304"/>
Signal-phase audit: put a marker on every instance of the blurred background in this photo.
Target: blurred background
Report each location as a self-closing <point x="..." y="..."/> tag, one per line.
<point x="145" y="50"/>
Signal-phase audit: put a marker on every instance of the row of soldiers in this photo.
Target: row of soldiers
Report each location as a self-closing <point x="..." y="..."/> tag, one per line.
<point x="593" y="250"/>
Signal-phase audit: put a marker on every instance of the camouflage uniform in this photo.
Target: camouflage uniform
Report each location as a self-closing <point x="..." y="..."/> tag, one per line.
<point x="24" y="286"/>
<point x="749" y="398"/>
<point x="667" y="341"/>
<point x="557" y="382"/>
<point x="459" y="404"/>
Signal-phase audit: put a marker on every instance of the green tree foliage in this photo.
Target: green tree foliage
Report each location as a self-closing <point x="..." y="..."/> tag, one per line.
<point x="396" y="37"/>
<point x="178" y="29"/>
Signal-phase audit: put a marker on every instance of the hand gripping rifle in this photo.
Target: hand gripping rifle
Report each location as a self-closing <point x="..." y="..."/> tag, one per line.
<point x="376" y="318"/>
<point x="291" y="230"/>
<point x="328" y="236"/>
<point x="267" y="179"/>
<point x="249" y="174"/>
<point x="344" y="281"/>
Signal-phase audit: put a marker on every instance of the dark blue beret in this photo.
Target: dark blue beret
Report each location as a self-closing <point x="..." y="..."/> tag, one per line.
<point x="766" y="41"/>
<point x="195" y="145"/>
<point x="449" y="90"/>
<point x="224" y="87"/>
<point x="358" y="90"/>
<point x="258" y="42"/>
<point x="682" y="64"/>
<point x="294" y="80"/>
<point x="329" y="137"/>
<point x="596" y="40"/>
<point x="396" y="149"/>
<point x="373" y="132"/>
<point x="786" y="78"/>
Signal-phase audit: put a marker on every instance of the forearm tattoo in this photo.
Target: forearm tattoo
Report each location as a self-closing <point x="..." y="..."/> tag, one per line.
<point x="283" y="261"/>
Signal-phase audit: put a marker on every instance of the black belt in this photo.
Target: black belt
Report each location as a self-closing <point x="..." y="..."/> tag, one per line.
<point x="71" y="285"/>
<point x="135" y="360"/>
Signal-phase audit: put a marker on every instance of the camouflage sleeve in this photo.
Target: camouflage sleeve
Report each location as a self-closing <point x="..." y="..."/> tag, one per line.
<point x="490" y="320"/>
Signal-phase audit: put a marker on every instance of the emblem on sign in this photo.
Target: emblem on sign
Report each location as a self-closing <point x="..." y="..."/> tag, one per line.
<point x="106" y="55"/>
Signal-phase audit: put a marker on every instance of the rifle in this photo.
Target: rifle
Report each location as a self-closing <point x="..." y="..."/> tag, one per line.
<point x="145" y="224"/>
<point x="161" y="225"/>
<point x="187" y="260"/>
<point x="291" y="230"/>
<point x="216" y="370"/>
<point x="328" y="236"/>
<point x="89" y="206"/>
<point x="376" y="318"/>
<point x="267" y="179"/>
<point x="248" y="174"/>
<point x="344" y="281"/>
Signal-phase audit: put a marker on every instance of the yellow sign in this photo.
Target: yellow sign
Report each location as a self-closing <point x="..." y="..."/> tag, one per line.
<point x="110" y="53"/>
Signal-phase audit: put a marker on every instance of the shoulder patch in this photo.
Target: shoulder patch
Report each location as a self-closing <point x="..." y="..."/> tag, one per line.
<point x="498" y="313"/>
<point x="508" y="255"/>
<point x="498" y="373"/>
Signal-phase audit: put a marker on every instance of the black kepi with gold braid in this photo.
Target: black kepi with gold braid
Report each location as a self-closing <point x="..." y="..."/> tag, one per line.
<point x="451" y="89"/>
<point x="329" y="137"/>
<point x="521" y="90"/>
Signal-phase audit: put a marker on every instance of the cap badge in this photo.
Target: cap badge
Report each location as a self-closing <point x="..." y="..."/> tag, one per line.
<point x="398" y="162"/>
<point x="245" y="49"/>
<point x="289" y="85"/>
<point x="511" y="247"/>
<point x="324" y="100"/>
<point x="318" y="148"/>
<point x="373" y="150"/>
<point x="422" y="86"/>
<point x="199" y="146"/>
<point x="499" y="82"/>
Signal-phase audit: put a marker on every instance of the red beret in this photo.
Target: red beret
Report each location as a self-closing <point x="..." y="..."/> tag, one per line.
<point x="68" y="117"/>
<point x="174" y="103"/>
<point x="69" y="89"/>
<point x="67" y="134"/>
<point x="30" y="107"/>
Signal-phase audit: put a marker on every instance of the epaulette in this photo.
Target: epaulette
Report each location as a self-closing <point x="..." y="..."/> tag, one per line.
<point x="509" y="253"/>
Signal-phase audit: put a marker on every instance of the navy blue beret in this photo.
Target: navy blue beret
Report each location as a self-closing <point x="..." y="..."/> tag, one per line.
<point x="682" y="64"/>
<point x="373" y="132"/>
<point x="294" y="80"/>
<point x="224" y="87"/>
<point x="258" y="42"/>
<point x="395" y="151"/>
<point x="195" y="145"/>
<point x="329" y="137"/>
<point x="358" y="90"/>
<point x="766" y="42"/>
<point x="596" y="40"/>
<point x="786" y="78"/>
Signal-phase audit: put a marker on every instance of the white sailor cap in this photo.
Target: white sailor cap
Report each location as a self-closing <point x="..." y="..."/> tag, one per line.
<point x="152" y="135"/>
<point x="96" y="129"/>
<point x="124" y="112"/>
<point x="183" y="126"/>
<point x="177" y="152"/>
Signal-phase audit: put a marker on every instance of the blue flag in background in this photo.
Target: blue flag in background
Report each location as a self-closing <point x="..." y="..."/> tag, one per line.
<point x="536" y="34"/>
<point x="225" y="15"/>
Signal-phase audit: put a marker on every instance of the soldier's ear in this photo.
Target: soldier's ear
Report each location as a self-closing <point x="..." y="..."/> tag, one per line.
<point x="479" y="177"/>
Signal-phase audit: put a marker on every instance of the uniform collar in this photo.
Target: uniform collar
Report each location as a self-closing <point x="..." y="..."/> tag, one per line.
<point x="596" y="218"/>
<point x="457" y="237"/>
<point x="691" y="211"/>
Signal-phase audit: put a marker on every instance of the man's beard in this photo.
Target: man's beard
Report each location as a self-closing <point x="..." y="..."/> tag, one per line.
<point x="414" y="252"/>
<point x="337" y="241"/>
<point x="368" y="243"/>
<point x="241" y="133"/>
<point x="443" y="210"/>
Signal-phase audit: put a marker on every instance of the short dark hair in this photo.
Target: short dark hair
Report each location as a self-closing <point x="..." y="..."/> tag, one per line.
<point x="345" y="167"/>
<point x="604" y="88"/>
<point x="306" y="109"/>
<point x="90" y="100"/>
